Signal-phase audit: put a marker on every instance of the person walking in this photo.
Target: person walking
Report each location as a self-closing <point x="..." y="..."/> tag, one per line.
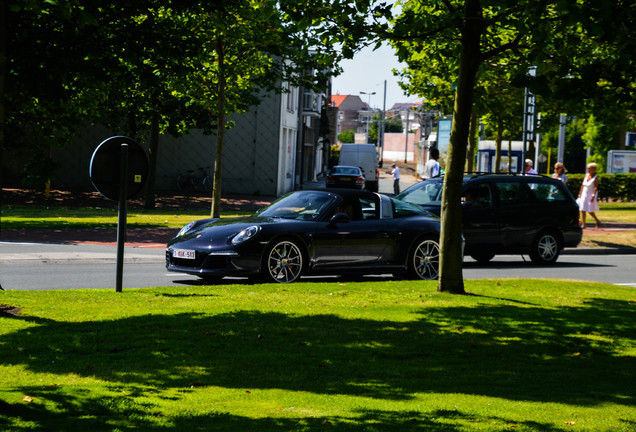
<point x="529" y="170"/>
<point x="395" y="172"/>
<point x="559" y="172"/>
<point x="431" y="169"/>
<point x="588" y="195"/>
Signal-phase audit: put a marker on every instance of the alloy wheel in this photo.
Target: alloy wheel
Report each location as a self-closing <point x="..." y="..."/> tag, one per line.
<point x="285" y="262"/>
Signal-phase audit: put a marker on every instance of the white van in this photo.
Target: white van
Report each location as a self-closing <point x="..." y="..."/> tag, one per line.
<point x="364" y="156"/>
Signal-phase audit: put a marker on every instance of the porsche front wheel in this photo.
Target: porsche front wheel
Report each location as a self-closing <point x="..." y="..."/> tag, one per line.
<point x="284" y="262"/>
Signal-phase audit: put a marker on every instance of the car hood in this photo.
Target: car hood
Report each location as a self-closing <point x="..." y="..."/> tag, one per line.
<point x="221" y="231"/>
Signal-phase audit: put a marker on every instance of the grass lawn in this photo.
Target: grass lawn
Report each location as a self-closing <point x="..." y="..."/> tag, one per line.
<point x="527" y="355"/>
<point x="14" y="216"/>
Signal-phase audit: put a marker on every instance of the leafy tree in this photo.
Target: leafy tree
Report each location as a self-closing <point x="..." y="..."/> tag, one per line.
<point x="74" y="64"/>
<point x="348" y="136"/>
<point x="460" y="37"/>
<point x="391" y="124"/>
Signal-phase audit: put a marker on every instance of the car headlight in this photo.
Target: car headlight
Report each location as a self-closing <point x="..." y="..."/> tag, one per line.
<point x="246" y="234"/>
<point x="185" y="229"/>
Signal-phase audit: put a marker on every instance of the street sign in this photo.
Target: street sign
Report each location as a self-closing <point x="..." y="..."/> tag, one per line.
<point x="118" y="170"/>
<point x="105" y="167"/>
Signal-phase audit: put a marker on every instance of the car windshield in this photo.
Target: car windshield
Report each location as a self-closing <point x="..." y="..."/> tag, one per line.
<point x="300" y="205"/>
<point x="345" y="170"/>
<point x="428" y="192"/>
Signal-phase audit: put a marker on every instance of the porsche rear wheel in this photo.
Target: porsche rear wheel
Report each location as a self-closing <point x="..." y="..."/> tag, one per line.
<point x="424" y="260"/>
<point x="284" y="262"/>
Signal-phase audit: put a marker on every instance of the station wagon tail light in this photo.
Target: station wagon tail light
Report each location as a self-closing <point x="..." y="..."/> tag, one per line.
<point x="359" y="180"/>
<point x="246" y="234"/>
<point x="331" y="179"/>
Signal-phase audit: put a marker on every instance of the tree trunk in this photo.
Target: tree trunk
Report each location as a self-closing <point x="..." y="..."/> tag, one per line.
<point x="4" y="6"/>
<point x="153" y="147"/>
<point x="220" y="131"/>
<point x="498" y="141"/>
<point x="510" y="156"/>
<point x="472" y="142"/>
<point x="451" y="259"/>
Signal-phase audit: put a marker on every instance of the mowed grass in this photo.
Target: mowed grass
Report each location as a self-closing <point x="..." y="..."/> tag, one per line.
<point x="20" y="217"/>
<point x="15" y="217"/>
<point x="528" y="355"/>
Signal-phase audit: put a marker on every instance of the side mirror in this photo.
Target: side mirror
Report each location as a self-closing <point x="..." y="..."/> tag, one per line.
<point x="339" y="218"/>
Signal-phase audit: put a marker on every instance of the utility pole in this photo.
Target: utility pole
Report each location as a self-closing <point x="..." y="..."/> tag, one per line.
<point x="528" y="115"/>
<point x="406" y="144"/>
<point x="381" y="129"/>
<point x="369" y="113"/>
<point x="561" y="148"/>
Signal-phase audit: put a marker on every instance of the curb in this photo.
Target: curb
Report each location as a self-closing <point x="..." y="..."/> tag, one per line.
<point x="76" y="258"/>
<point x="598" y="251"/>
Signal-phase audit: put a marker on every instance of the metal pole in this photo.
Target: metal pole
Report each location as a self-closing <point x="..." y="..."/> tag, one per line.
<point x="406" y="144"/>
<point x="121" y="223"/>
<point x="369" y="112"/>
<point x="528" y="116"/>
<point x="561" y="148"/>
<point x="381" y="131"/>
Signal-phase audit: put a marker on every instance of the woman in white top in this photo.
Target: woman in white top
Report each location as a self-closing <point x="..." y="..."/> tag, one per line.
<point x="588" y="195"/>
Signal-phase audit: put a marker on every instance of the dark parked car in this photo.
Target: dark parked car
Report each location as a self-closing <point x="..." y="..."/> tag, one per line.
<point x="502" y="213"/>
<point x="343" y="176"/>
<point x="312" y="232"/>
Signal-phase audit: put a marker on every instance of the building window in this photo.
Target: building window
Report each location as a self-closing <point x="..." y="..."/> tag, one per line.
<point x="291" y="98"/>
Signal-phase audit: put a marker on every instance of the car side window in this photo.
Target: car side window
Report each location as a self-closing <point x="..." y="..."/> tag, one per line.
<point x="430" y="193"/>
<point x="511" y="193"/>
<point x="403" y="209"/>
<point x="545" y="192"/>
<point x="478" y="195"/>
<point x="370" y="209"/>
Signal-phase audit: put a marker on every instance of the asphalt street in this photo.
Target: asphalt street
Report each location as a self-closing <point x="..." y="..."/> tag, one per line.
<point x="38" y="266"/>
<point x="33" y="265"/>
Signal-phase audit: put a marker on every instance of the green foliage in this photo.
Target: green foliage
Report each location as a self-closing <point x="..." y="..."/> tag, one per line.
<point x="391" y="124"/>
<point x="611" y="186"/>
<point x="334" y="155"/>
<point x="143" y="65"/>
<point x="348" y="136"/>
<point x="575" y="153"/>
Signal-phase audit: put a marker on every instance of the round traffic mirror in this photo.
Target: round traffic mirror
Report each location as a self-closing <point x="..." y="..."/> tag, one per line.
<point x="105" y="167"/>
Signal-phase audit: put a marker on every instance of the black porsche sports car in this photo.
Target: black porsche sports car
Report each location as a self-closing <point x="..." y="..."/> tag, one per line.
<point x="312" y="232"/>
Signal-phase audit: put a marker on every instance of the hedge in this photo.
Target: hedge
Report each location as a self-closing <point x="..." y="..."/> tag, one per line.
<point x="611" y="186"/>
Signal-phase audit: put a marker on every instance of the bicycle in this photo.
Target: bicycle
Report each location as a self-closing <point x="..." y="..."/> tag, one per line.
<point x="188" y="181"/>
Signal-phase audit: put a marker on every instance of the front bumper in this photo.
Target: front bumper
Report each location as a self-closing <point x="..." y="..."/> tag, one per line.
<point x="216" y="263"/>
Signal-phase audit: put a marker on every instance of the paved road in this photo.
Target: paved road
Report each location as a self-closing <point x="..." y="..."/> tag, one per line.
<point x="37" y="266"/>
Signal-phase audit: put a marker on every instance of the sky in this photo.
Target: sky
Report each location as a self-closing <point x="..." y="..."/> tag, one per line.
<point x="366" y="72"/>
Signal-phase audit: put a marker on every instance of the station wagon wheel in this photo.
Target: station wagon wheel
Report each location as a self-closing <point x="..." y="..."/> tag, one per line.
<point x="545" y="249"/>
<point x="283" y="262"/>
<point x="424" y="260"/>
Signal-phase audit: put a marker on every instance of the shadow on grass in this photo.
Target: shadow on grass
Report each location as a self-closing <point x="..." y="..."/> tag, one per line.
<point x="110" y="413"/>
<point x="513" y="352"/>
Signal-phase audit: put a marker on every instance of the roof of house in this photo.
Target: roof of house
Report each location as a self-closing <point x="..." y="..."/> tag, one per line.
<point x="401" y="106"/>
<point x="337" y="100"/>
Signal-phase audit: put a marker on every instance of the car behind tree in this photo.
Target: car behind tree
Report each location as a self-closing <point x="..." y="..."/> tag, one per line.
<point x="501" y="213"/>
